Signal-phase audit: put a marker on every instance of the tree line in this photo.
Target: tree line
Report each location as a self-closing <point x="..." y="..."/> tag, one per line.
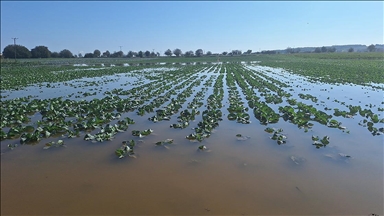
<point x="370" y="48"/>
<point x="19" y="51"/>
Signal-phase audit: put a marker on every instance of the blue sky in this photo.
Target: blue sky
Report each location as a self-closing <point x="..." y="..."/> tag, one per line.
<point x="189" y="25"/>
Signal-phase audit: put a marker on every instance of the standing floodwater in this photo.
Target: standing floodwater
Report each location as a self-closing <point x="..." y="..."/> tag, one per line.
<point x="197" y="139"/>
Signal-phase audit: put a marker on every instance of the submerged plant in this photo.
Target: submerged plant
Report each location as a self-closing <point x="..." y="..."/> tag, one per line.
<point x="59" y="143"/>
<point x="126" y="149"/>
<point x="269" y="130"/>
<point x="142" y="133"/>
<point x="297" y="160"/>
<point x="12" y="146"/>
<point x="164" y="143"/>
<point x="203" y="148"/>
<point x="322" y="143"/>
<point x="277" y="135"/>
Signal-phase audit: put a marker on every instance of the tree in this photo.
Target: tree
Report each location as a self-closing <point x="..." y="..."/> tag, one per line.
<point x="290" y="50"/>
<point x="209" y="53"/>
<point x="168" y="52"/>
<point x="40" y="52"/>
<point x="371" y="48"/>
<point x="249" y="51"/>
<point x="130" y="54"/>
<point x="21" y="52"/>
<point x="189" y="53"/>
<point x="199" y="52"/>
<point x="332" y="49"/>
<point x="55" y="55"/>
<point x="89" y="55"/>
<point x="153" y="54"/>
<point x="351" y="49"/>
<point x="96" y="53"/>
<point x="323" y="49"/>
<point x="106" y="54"/>
<point x="317" y="50"/>
<point x="225" y="53"/>
<point x="80" y="55"/>
<point x="236" y="52"/>
<point x="147" y="54"/>
<point x="268" y="52"/>
<point x="117" y="54"/>
<point x="140" y="54"/>
<point x="65" y="54"/>
<point x="177" y="52"/>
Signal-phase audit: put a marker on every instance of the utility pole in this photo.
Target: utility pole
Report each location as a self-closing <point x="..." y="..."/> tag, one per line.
<point x="120" y="48"/>
<point x="14" y="45"/>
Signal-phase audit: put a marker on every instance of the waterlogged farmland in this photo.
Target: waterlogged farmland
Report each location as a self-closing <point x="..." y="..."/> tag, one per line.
<point x="235" y="137"/>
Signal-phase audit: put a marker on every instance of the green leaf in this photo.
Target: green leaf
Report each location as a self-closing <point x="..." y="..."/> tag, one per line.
<point x="202" y="147"/>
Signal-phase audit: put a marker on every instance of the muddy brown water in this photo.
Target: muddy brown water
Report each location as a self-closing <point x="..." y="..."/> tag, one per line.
<point x="251" y="177"/>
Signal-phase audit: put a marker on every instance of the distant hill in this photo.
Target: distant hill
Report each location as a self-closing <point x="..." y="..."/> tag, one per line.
<point x="339" y="48"/>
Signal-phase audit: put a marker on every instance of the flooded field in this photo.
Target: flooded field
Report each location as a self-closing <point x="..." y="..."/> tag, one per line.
<point x="191" y="139"/>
